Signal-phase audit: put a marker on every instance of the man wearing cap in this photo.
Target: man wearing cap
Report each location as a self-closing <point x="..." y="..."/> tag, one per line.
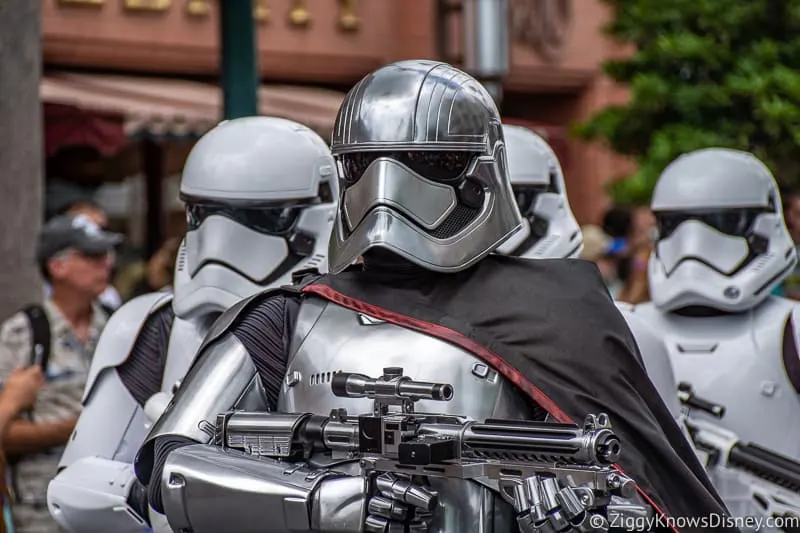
<point x="74" y="257"/>
<point x="84" y="205"/>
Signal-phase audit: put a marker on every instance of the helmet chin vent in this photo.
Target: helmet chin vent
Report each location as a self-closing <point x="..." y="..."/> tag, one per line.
<point x="314" y="261"/>
<point x="760" y="263"/>
<point x="182" y="257"/>
<point x="549" y="240"/>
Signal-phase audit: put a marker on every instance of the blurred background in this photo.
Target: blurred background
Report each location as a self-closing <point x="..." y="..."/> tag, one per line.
<point x="103" y="99"/>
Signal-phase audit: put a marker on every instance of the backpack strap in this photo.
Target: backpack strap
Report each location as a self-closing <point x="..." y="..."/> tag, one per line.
<point x="40" y="331"/>
<point x="40" y="354"/>
<point x="107" y="309"/>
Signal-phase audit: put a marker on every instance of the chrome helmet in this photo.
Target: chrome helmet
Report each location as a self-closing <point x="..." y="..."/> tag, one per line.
<point x="422" y="169"/>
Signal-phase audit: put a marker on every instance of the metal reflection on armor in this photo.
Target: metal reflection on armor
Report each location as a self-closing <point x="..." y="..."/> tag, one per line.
<point x="556" y="476"/>
<point x="303" y="467"/>
<point x="422" y="168"/>
<point x="329" y="338"/>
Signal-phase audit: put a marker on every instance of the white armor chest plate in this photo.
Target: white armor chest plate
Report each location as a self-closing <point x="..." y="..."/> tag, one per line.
<point x="737" y="361"/>
<point x="329" y="339"/>
<point x="185" y="338"/>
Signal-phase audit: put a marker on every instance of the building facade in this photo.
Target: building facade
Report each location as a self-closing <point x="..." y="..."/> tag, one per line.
<point x="310" y="49"/>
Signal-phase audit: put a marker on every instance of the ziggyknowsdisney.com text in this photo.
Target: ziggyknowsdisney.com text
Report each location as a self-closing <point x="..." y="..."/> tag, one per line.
<point x="648" y="523"/>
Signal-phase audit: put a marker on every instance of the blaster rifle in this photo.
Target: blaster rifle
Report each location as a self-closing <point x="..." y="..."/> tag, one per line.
<point x="772" y="479"/>
<point x="526" y="462"/>
<point x="725" y="449"/>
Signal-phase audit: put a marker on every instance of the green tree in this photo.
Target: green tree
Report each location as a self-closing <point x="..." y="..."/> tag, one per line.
<point x="705" y="73"/>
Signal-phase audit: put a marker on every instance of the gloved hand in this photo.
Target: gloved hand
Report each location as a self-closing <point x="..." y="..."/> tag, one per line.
<point x="137" y="500"/>
<point x="548" y="505"/>
<point x="397" y="505"/>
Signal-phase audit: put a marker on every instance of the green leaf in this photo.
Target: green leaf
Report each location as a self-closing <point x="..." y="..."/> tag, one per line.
<point x="705" y="73"/>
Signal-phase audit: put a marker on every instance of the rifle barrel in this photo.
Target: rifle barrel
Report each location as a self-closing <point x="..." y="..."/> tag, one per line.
<point x="767" y="465"/>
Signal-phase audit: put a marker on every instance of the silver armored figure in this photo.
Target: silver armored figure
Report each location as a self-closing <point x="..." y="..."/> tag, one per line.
<point x="260" y="197"/>
<point x="722" y="247"/>
<point x="296" y="415"/>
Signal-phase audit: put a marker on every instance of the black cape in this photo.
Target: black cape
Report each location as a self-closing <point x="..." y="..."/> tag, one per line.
<point x="551" y="327"/>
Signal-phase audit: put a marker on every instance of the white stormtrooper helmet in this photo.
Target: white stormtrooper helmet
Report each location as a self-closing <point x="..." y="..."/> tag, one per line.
<point x="722" y="242"/>
<point x="260" y="196"/>
<point x="550" y="229"/>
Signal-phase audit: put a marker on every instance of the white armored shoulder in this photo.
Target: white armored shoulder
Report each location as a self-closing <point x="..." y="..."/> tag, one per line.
<point x="777" y="328"/>
<point x="776" y="325"/>
<point x="655" y="357"/>
<point x="794" y="317"/>
<point x="121" y="332"/>
<point x="776" y="310"/>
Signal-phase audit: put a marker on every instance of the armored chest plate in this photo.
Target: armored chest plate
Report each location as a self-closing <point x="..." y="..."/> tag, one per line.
<point x="330" y="339"/>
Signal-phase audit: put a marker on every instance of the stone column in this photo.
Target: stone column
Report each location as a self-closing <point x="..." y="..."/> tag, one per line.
<point x="21" y="153"/>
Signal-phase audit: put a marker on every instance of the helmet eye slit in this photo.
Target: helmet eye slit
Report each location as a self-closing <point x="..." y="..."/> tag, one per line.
<point x="445" y="167"/>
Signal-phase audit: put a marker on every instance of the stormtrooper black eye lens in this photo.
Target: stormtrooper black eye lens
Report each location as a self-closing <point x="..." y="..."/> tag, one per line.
<point x="526" y="196"/>
<point x="277" y="221"/>
<point x="272" y="220"/>
<point x="734" y="222"/>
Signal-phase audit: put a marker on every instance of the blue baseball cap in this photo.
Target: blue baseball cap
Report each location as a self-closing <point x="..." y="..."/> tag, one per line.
<point x="617" y="246"/>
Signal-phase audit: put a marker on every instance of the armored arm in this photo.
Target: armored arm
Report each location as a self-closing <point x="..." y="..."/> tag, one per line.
<point x="655" y="357"/>
<point x="556" y="474"/>
<point x="222" y="377"/>
<point x="752" y="480"/>
<point x="96" y="489"/>
<point x="95" y="495"/>
<point x="207" y="489"/>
